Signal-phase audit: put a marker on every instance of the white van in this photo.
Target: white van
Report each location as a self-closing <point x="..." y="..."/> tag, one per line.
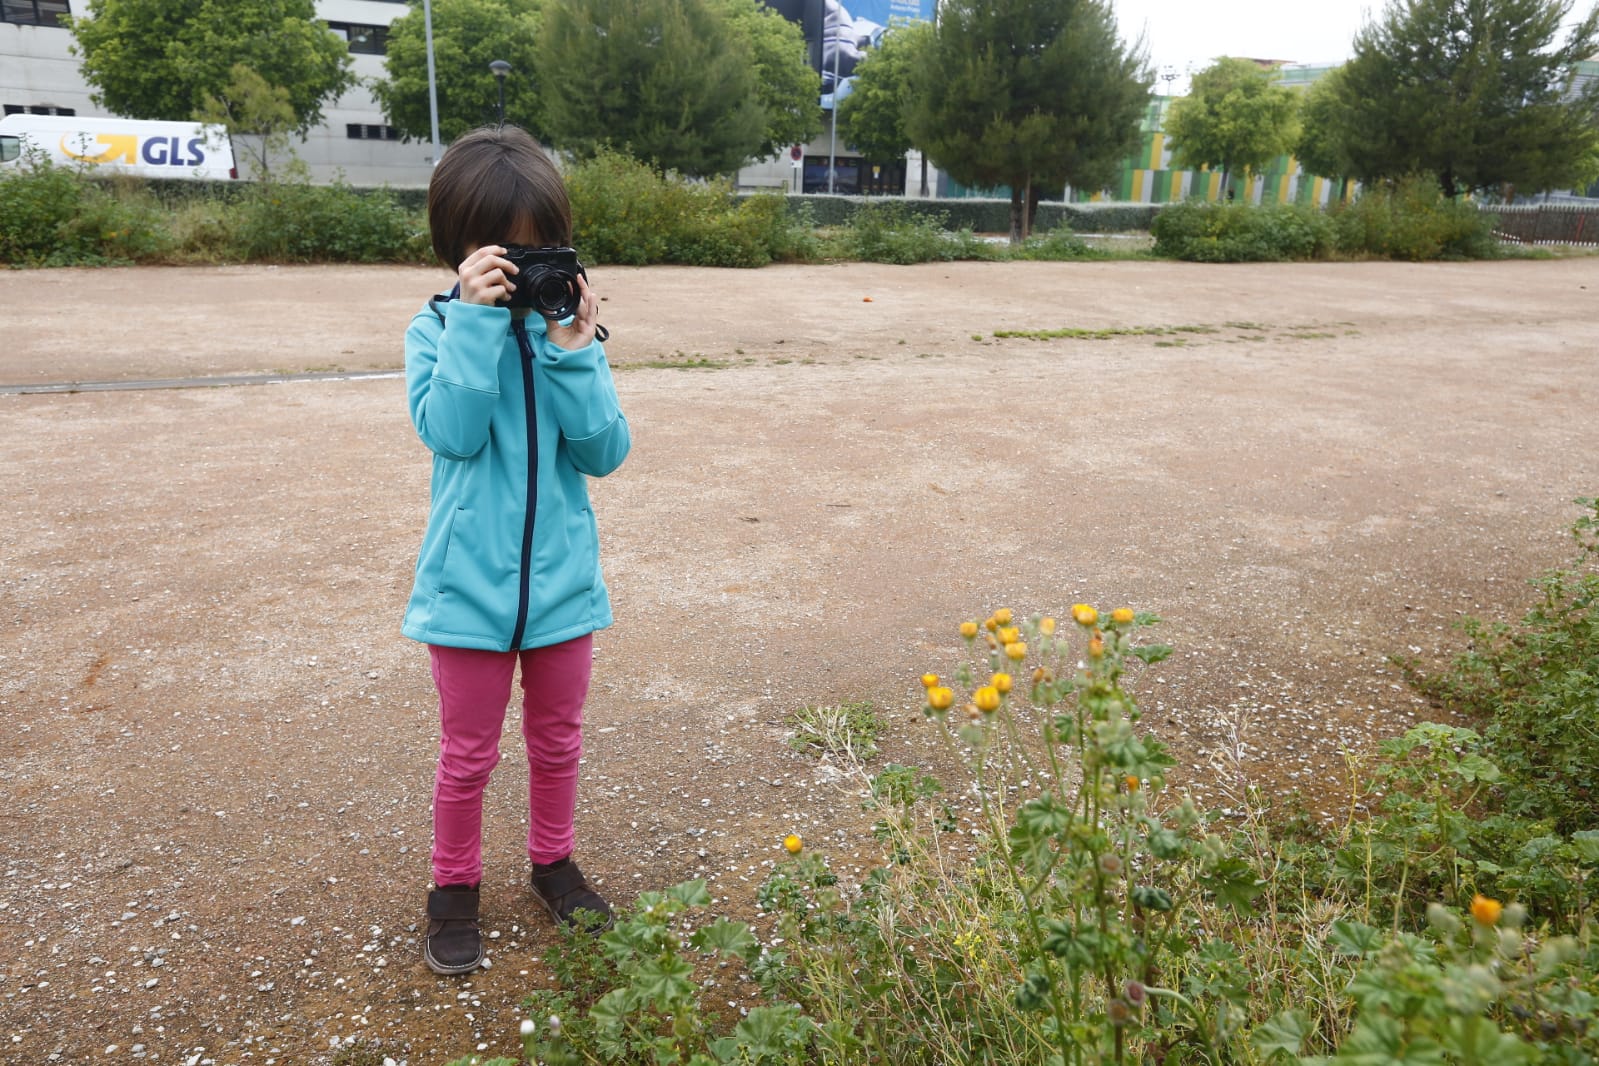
<point x="119" y="146"/>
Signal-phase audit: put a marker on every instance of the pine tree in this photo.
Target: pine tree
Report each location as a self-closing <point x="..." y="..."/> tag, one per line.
<point x="1033" y="94"/>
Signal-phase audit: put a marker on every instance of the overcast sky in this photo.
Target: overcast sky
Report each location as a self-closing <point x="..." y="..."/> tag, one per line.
<point x="1185" y="34"/>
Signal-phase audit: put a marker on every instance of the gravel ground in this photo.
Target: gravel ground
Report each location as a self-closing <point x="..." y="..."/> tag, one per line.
<point x="217" y="748"/>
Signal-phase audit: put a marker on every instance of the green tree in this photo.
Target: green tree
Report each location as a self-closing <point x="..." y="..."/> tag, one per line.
<point x="258" y="116"/>
<point x="872" y="117"/>
<point x="666" y="81"/>
<point x="1032" y="94"/>
<point x="162" y="59"/>
<point x="1321" y="148"/>
<point x="786" y="85"/>
<point x="1235" y="118"/>
<point x="468" y="35"/>
<point x="1476" y="92"/>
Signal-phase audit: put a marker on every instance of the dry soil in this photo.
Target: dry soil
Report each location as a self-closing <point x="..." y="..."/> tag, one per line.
<point x="216" y="748"/>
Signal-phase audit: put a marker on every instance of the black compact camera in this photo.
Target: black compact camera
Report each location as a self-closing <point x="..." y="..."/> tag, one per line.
<point x="546" y="280"/>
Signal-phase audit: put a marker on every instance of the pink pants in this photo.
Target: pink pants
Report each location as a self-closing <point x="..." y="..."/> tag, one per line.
<point x="474" y="689"/>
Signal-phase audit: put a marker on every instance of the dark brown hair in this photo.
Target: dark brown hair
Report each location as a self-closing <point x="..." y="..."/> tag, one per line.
<point x="488" y="184"/>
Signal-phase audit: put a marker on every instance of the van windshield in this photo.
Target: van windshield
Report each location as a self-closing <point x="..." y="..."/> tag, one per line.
<point x="10" y="148"/>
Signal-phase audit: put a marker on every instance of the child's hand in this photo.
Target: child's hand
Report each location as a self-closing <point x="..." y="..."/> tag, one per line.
<point x="579" y="332"/>
<point x="485" y="276"/>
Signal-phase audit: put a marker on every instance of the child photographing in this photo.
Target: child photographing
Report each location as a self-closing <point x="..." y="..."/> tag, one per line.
<point x="518" y="410"/>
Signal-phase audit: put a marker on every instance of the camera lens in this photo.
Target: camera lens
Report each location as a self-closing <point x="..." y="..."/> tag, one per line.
<point x="555" y="295"/>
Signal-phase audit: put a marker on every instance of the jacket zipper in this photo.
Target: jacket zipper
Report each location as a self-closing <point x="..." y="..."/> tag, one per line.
<point x="524" y="591"/>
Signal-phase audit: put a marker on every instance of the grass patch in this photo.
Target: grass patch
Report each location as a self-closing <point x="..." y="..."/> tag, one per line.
<point x="847" y="729"/>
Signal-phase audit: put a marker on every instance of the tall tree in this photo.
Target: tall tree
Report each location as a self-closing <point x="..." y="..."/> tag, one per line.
<point x="162" y="59"/>
<point x="1477" y="92"/>
<point x="468" y="35"/>
<point x="1322" y="148"/>
<point x="258" y="117"/>
<point x="1030" y="94"/>
<point x="1235" y="118"/>
<point x="872" y="117"/>
<point x="786" y="85"/>
<point x="666" y="81"/>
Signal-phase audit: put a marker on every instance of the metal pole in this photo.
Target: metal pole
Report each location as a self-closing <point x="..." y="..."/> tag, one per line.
<point x="433" y="85"/>
<point x="832" y="133"/>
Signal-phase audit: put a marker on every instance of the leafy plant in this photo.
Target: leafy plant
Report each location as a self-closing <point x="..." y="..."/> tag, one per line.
<point x="1536" y="686"/>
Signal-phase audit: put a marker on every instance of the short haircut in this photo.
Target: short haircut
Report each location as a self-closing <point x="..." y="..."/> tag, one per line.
<point x="489" y="183"/>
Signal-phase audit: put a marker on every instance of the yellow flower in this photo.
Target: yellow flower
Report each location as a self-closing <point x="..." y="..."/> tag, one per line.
<point x="939" y="698"/>
<point x="793" y="844"/>
<point x="1001" y="682"/>
<point x="1009" y="634"/>
<point x="1122" y="615"/>
<point x="1046" y="626"/>
<point x="968" y="630"/>
<point x="1132" y="782"/>
<point x="1486" y="910"/>
<point x="1016" y="651"/>
<point x="1002" y="616"/>
<point x="986" y="699"/>
<point x="929" y="680"/>
<point x="1040" y="675"/>
<point x="1096" y="649"/>
<point x="1084" y="615"/>
<point x="991" y="623"/>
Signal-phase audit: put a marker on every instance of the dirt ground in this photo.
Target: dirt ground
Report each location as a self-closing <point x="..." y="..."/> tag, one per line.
<point x="217" y="748"/>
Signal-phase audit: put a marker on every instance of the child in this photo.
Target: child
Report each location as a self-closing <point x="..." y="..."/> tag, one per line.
<point x="516" y="410"/>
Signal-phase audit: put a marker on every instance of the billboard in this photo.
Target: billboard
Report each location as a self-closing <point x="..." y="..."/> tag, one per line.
<point x="838" y="33"/>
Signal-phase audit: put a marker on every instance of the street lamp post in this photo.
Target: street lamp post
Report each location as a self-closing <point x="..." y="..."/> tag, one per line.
<point x="501" y="68"/>
<point x="433" y="85"/>
<point x="832" y="135"/>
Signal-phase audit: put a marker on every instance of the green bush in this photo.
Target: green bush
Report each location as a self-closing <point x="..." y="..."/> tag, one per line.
<point x="1242" y="233"/>
<point x="297" y="222"/>
<point x="888" y="231"/>
<point x="624" y="212"/>
<point x="56" y="216"/>
<point x="984" y="215"/>
<point x="1414" y="221"/>
<point x="1536" y="688"/>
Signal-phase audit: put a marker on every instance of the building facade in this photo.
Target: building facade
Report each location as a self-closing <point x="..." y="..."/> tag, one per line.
<point x="39" y="75"/>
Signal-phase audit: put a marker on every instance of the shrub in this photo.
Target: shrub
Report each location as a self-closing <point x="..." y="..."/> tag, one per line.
<point x="890" y="231"/>
<point x="1413" y="220"/>
<point x="624" y="212"/>
<point x="1536" y="687"/>
<point x="56" y="216"/>
<point x="1241" y="233"/>
<point x="296" y="222"/>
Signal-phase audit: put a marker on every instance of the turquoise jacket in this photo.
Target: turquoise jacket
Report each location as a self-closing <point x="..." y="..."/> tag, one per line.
<point x="511" y="557"/>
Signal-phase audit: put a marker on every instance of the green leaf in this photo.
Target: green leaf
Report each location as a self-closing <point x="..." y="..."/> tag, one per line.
<point x="690" y="894"/>
<point x="1045" y="816"/>
<point x="1234" y="884"/>
<point x="728" y="937"/>
<point x="1587" y="845"/>
<point x="1152" y="899"/>
<point x="1166" y="843"/>
<point x="1283" y="1034"/>
<point x="1151" y="653"/>
<point x="1355" y="938"/>
<point x="1478" y="1042"/>
<point x="1477" y="768"/>
<point x="664" y="982"/>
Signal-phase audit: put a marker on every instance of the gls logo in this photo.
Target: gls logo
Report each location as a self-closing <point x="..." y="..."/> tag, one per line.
<point x="125" y="148"/>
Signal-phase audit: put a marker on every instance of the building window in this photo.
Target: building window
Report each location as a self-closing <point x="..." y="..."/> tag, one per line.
<point x="356" y="131"/>
<point x="34" y="12"/>
<point x="365" y="40"/>
<point x="18" y="109"/>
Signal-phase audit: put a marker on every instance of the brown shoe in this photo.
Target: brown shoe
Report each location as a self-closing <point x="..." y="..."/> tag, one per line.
<point x="454" y="944"/>
<point x="566" y="894"/>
